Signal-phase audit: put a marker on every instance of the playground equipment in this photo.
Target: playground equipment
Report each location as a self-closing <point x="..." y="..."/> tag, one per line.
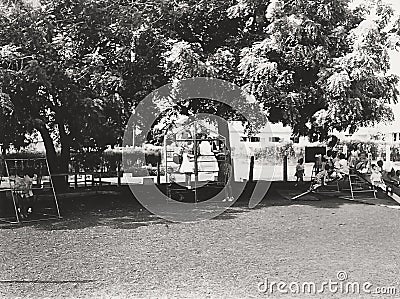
<point x="330" y="186"/>
<point x="360" y="186"/>
<point x="194" y="149"/>
<point x="25" y="184"/>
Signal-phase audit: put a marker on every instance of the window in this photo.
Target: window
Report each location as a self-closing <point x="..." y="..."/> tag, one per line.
<point x="274" y="139"/>
<point x="394" y="137"/>
<point x="250" y="139"/>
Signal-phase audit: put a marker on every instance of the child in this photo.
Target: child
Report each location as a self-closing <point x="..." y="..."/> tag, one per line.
<point x="330" y="161"/>
<point x="24" y="194"/>
<point x="391" y="177"/>
<point x="341" y="167"/>
<point x="377" y="181"/>
<point x="353" y="158"/>
<point x="227" y="172"/>
<point x="398" y="175"/>
<point x="380" y="166"/>
<point x="321" y="177"/>
<point x="362" y="165"/>
<point x="317" y="165"/>
<point x="299" y="171"/>
<point x="187" y="166"/>
<point x="171" y="174"/>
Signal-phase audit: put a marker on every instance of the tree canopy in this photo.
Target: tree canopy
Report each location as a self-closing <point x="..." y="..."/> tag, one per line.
<point x="74" y="70"/>
<point x="320" y="65"/>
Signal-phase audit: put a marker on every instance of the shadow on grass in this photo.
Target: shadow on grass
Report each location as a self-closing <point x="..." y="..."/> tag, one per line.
<point x="123" y="211"/>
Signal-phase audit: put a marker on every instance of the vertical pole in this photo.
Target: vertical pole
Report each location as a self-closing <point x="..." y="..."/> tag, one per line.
<point x="40" y="175"/>
<point x="285" y="168"/>
<point x="165" y="159"/>
<point x="133" y="135"/>
<point x="12" y="192"/>
<point x="196" y="169"/>
<point x="158" y="173"/>
<point x="119" y="174"/>
<point x="251" y="171"/>
<point x="52" y="188"/>
<point x="76" y="176"/>
<point x="388" y="152"/>
<point x="101" y="173"/>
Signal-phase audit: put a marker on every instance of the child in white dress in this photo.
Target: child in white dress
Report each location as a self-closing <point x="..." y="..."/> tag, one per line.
<point x="377" y="181"/>
<point x="187" y="166"/>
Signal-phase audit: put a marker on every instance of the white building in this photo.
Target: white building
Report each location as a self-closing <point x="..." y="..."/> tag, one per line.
<point x="271" y="134"/>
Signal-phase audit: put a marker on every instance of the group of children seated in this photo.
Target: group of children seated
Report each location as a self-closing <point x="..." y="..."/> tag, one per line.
<point x="334" y="166"/>
<point x="383" y="179"/>
<point x="329" y="167"/>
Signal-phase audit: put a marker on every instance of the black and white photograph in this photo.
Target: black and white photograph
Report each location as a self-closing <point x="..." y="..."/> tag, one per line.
<point x="199" y="149"/>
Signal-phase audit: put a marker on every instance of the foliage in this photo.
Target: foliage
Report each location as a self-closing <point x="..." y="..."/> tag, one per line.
<point x="203" y="42"/>
<point x="73" y="71"/>
<point x="319" y="65"/>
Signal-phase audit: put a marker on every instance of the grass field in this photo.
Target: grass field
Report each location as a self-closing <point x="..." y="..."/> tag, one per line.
<point x="109" y="246"/>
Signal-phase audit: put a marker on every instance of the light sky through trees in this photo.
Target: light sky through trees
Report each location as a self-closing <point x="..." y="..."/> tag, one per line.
<point x="395" y="64"/>
<point x="395" y="69"/>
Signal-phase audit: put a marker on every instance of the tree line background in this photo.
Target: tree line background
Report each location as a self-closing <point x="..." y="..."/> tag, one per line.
<point x="73" y="71"/>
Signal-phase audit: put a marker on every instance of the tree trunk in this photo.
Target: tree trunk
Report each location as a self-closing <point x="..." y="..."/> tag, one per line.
<point x="65" y="150"/>
<point x="65" y="157"/>
<point x="54" y="162"/>
<point x="50" y="149"/>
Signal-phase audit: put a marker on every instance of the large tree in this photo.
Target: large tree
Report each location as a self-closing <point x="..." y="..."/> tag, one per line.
<point x="315" y="65"/>
<point x="320" y="65"/>
<point x="73" y="70"/>
<point x="201" y="40"/>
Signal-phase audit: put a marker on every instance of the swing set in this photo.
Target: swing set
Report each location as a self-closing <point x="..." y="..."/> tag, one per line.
<point x="26" y="188"/>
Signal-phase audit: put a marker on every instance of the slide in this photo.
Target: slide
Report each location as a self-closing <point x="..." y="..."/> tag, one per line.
<point x="312" y="189"/>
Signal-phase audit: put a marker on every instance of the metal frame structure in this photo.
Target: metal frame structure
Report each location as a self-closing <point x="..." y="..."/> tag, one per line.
<point x="357" y="185"/>
<point x="316" y="190"/>
<point x="193" y="127"/>
<point x="360" y="185"/>
<point x="40" y="186"/>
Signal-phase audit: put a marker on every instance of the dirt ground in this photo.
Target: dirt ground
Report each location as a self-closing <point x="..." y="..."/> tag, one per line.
<point x="108" y="246"/>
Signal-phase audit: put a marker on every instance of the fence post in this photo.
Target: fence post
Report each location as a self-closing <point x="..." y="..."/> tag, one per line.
<point x="251" y="171"/>
<point x="158" y="174"/>
<point x="101" y="174"/>
<point x="285" y="168"/>
<point x="119" y="174"/>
